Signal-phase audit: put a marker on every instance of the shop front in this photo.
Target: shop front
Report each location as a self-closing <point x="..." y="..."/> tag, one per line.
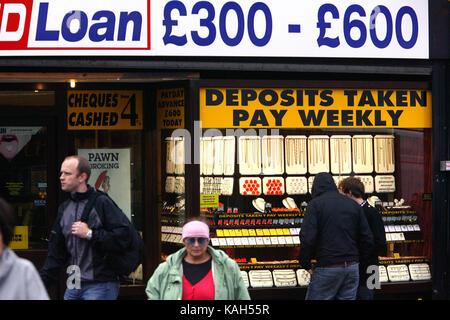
<point x="232" y="124"/>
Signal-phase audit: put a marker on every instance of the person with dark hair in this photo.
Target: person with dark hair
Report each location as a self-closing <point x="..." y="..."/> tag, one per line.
<point x="84" y="245"/>
<point x="197" y="271"/>
<point x="354" y="189"/>
<point x="19" y="279"/>
<point x="335" y="233"/>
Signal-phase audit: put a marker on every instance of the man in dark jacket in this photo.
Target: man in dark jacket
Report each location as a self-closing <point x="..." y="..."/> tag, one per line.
<point x="336" y="234"/>
<point x="354" y="189"/>
<point x="81" y="245"/>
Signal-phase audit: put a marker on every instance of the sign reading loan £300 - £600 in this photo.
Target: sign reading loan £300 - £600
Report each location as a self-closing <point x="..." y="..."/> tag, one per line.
<point x="314" y="108"/>
<point x="315" y="28"/>
<point x="104" y="110"/>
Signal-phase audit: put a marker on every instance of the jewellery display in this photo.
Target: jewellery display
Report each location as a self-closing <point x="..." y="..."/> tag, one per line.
<point x="296" y="157"/>
<point x="249" y="155"/>
<point x="398" y="272"/>
<point x="273" y="186"/>
<point x="229" y="144"/>
<point x="206" y="160"/>
<point x="420" y="271"/>
<point x="179" y="155"/>
<point x="170" y="185"/>
<point x="362" y="151"/>
<point x="310" y="183"/>
<point x="250" y="186"/>
<point x="210" y="185"/>
<point x="341" y="154"/>
<point x="383" y="274"/>
<point x="218" y="155"/>
<point x="284" y="278"/>
<point x="272" y="155"/>
<point x="227" y="186"/>
<point x="170" y="155"/>
<point x="318" y="154"/>
<point x="367" y="182"/>
<point x="260" y="278"/>
<point x="259" y="204"/>
<point x="303" y="277"/>
<point x="384" y="154"/>
<point x="179" y="185"/>
<point x="296" y="185"/>
<point x="245" y="278"/>
<point x="384" y="184"/>
<point x="289" y="203"/>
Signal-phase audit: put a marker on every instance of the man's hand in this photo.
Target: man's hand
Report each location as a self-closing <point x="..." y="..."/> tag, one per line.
<point x="80" y="229"/>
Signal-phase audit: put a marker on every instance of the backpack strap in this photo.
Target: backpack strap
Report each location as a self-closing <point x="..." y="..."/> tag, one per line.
<point x="88" y="207"/>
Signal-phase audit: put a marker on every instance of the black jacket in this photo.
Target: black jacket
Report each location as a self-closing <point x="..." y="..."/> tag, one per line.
<point x="334" y="229"/>
<point x="109" y="233"/>
<point x="377" y="227"/>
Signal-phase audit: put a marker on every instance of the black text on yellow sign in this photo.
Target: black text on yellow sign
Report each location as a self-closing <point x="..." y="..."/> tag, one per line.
<point x="314" y="108"/>
<point x="170" y="103"/>
<point x="104" y="110"/>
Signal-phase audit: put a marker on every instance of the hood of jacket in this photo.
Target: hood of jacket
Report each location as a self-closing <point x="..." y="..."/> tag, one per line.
<point x="323" y="182"/>
<point x="7" y="260"/>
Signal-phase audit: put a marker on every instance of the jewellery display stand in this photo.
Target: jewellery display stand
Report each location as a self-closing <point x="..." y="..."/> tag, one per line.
<point x="249" y="155"/>
<point x="341" y="154"/>
<point x="362" y="153"/>
<point x="318" y="154"/>
<point x="272" y="155"/>
<point x="296" y="154"/>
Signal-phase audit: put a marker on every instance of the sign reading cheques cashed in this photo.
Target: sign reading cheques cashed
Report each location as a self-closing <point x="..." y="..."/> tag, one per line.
<point x="104" y="110"/>
<point x="314" y="108"/>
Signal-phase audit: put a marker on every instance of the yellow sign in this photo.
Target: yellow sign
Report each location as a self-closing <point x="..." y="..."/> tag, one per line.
<point x="170" y="103"/>
<point x="20" y="238"/>
<point x="209" y="201"/>
<point x="104" y="110"/>
<point x="314" y="108"/>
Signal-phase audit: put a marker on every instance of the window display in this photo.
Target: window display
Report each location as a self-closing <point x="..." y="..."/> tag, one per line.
<point x="258" y="223"/>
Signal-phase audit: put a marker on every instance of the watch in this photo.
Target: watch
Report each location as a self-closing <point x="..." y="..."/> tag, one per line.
<point x="89" y="235"/>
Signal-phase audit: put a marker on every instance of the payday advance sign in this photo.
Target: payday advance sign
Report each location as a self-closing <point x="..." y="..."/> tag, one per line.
<point x="104" y="110"/>
<point x="314" y="108"/>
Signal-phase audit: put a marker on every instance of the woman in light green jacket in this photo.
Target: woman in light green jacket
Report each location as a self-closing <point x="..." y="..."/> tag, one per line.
<point x="171" y="281"/>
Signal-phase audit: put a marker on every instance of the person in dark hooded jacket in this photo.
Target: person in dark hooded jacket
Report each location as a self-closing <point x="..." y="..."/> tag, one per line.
<point x="336" y="234"/>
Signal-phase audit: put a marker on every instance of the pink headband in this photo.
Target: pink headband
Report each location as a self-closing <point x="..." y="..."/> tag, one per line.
<point x="195" y="229"/>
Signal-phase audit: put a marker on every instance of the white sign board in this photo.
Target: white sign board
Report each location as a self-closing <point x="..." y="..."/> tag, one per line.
<point x="244" y="28"/>
<point x="110" y="173"/>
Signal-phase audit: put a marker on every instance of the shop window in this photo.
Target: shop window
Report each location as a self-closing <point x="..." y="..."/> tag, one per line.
<point x="262" y="172"/>
<point x="23" y="183"/>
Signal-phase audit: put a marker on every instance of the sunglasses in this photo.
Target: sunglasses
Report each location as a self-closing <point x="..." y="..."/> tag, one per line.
<point x="200" y="241"/>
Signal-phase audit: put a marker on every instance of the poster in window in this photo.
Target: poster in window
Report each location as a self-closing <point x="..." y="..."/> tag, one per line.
<point x="110" y="173"/>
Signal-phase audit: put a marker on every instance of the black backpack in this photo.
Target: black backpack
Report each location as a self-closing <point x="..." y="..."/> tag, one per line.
<point x="125" y="262"/>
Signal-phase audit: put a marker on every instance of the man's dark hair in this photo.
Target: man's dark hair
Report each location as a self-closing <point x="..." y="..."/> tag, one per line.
<point x="353" y="185"/>
<point x="83" y="165"/>
<point x="7" y="222"/>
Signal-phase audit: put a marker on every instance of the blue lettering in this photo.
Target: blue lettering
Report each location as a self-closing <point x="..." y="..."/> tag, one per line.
<point x="223" y="26"/>
<point x="125" y="18"/>
<point x="169" y="23"/>
<point x="207" y="22"/>
<point x="349" y="25"/>
<point x="373" y="34"/>
<point x="398" y="27"/>
<point x="323" y="26"/>
<point x="41" y="33"/>
<point x="109" y="25"/>
<point x="65" y="27"/>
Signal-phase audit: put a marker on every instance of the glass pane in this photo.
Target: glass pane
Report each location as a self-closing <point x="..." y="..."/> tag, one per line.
<point x="23" y="182"/>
